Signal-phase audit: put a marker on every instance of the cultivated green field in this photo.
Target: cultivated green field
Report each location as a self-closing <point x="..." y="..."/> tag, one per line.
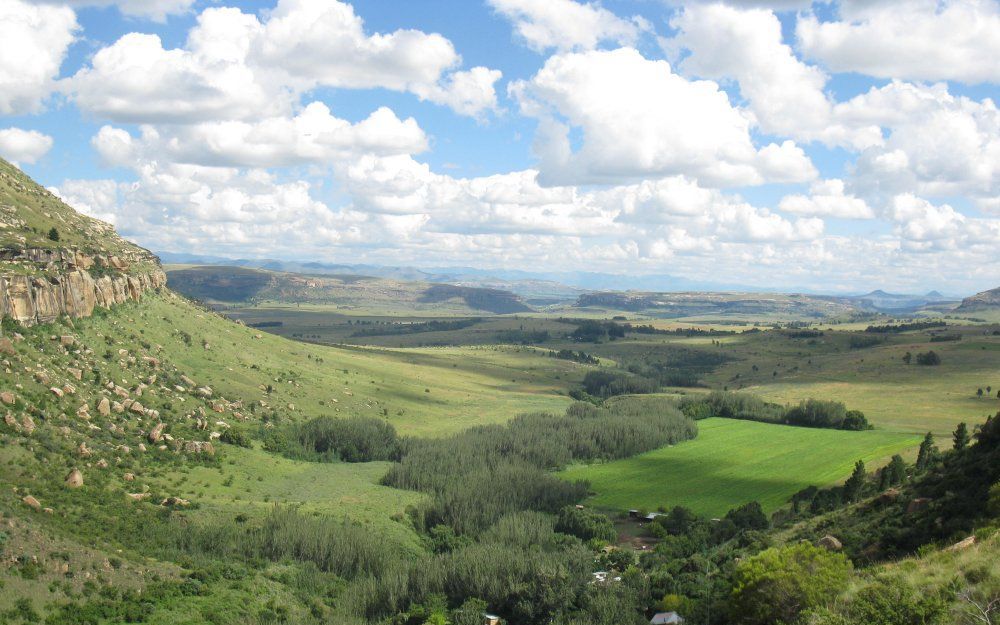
<point x="732" y="462"/>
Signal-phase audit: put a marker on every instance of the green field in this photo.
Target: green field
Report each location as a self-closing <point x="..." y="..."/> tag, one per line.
<point x="732" y="462"/>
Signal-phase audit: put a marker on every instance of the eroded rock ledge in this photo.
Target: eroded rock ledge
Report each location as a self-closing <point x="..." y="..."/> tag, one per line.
<point x="65" y="286"/>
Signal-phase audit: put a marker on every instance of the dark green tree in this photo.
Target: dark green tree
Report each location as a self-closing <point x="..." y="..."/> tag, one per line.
<point x="855" y="484"/>
<point x="927" y="452"/>
<point x="907" y="357"/>
<point x="54" y="234"/>
<point x="961" y="436"/>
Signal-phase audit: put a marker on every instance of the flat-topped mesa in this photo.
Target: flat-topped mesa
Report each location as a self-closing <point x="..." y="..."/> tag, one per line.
<point x="55" y="261"/>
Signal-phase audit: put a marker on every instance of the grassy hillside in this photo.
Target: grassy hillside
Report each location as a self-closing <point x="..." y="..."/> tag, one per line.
<point x="733" y="462"/>
<point x="28" y="212"/>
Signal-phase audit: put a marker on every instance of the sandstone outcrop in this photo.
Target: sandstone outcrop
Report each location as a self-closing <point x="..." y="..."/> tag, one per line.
<point x="69" y="290"/>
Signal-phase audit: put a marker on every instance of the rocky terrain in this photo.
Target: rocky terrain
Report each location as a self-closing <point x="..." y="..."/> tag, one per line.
<point x="55" y="261"/>
<point x="981" y="301"/>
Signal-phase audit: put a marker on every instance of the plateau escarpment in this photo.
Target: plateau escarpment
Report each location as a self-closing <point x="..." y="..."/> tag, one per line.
<point x="55" y="261"/>
<point x="39" y="285"/>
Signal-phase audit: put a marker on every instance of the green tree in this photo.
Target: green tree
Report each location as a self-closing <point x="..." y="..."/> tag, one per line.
<point x="927" y="452"/>
<point x="778" y="584"/>
<point x="855" y="484"/>
<point x="907" y="357"/>
<point x="979" y="393"/>
<point x="54" y="234"/>
<point x="961" y="436"/>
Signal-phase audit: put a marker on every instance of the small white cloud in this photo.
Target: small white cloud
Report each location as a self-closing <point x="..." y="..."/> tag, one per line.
<point x="156" y="10"/>
<point x="23" y="146"/>
<point x="827" y="199"/>
<point x="567" y="25"/>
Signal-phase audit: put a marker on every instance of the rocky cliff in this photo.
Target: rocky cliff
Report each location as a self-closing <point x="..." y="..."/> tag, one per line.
<point x="55" y="261"/>
<point x="986" y="300"/>
<point x="62" y="284"/>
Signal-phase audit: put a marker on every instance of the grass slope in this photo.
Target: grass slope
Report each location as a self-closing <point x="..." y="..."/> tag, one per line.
<point x="732" y="462"/>
<point x="432" y="391"/>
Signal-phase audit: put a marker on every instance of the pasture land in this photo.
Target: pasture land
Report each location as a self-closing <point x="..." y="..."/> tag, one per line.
<point x="732" y="462"/>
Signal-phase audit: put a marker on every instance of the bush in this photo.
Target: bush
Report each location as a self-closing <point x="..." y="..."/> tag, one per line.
<point x="778" y="584"/>
<point x="817" y="413"/>
<point x="235" y="436"/>
<point x="928" y="359"/>
<point x="609" y="384"/>
<point x="585" y="524"/>
<point x="354" y="439"/>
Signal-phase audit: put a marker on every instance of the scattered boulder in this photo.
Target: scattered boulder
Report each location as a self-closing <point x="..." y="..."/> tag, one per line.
<point x="200" y="447"/>
<point x="67" y="340"/>
<point x="76" y="373"/>
<point x="187" y="380"/>
<point x="28" y="424"/>
<point x="6" y="346"/>
<point x="69" y="389"/>
<point x="156" y="434"/>
<point x="137" y="408"/>
<point x="102" y="464"/>
<point x="830" y="543"/>
<point x="74" y="479"/>
<point x="32" y="503"/>
<point x="129" y="477"/>
<point x="963" y="544"/>
<point x="83" y="450"/>
<point x="117" y="407"/>
<point x="139" y="496"/>
<point x="104" y="407"/>
<point x="58" y="392"/>
<point x="175" y="502"/>
<point x="7" y="397"/>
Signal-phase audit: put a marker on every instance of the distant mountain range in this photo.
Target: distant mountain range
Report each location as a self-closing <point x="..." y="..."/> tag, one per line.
<point x="547" y="288"/>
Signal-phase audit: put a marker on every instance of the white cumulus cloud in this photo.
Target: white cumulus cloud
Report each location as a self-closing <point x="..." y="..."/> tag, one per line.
<point x="568" y="25"/>
<point x="909" y="39"/>
<point x="23" y="146"/>
<point x="33" y="40"/>
<point x="638" y="119"/>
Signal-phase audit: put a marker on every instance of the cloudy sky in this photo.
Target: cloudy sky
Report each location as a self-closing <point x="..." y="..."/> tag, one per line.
<point x="841" y="146"/>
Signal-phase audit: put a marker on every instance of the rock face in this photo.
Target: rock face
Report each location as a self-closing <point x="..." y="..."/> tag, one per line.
<point x="830" y="543"/>
<point x="74" y="293"/>
<point x="981" y="301"/>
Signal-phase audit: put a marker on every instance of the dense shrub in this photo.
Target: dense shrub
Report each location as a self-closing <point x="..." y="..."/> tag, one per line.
<point x="928" y="359"/>
<point x="352" y="439"/>
<point x="817" y="413"/>
<point x="809" y="413"/>
<point x="236" y="436"/>
<point x="778" y="584"/>
<point x="606" y="384"/>
<point x="585" y="524"/>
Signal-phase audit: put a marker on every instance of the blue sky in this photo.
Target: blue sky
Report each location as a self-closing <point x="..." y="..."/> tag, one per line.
<point x="838" y="146"/>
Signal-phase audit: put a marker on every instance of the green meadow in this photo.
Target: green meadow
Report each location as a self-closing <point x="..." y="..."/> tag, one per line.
<point x="732" y="462"/>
